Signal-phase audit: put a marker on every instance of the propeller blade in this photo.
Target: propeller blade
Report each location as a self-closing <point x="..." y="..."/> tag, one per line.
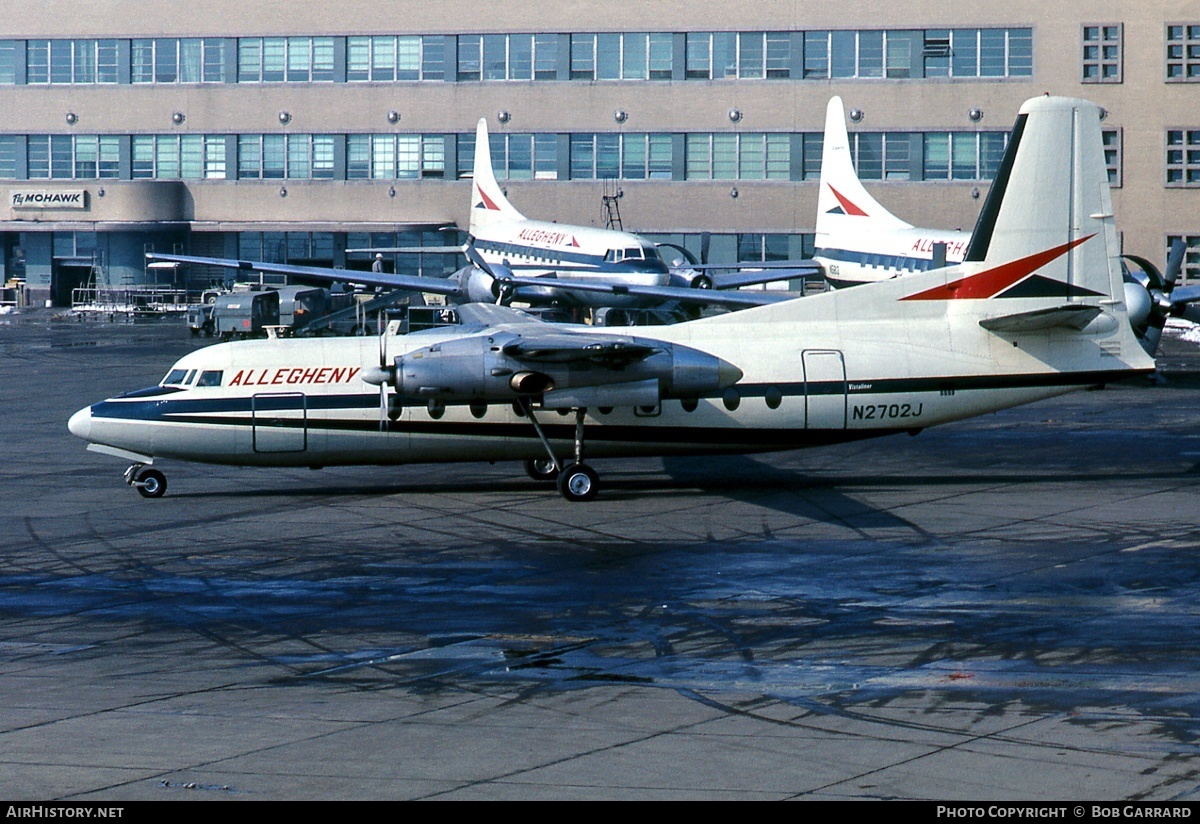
<point x="1174" y="265"/>
<point x="705" y="240"/>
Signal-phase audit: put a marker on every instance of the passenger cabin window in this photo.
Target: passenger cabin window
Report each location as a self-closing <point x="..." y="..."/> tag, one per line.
<point x="210" y="378"/>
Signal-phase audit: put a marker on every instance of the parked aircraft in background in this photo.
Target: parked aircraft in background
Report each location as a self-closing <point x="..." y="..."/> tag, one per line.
<point x="513" y="258"/>
<point x="1036" y="309"/>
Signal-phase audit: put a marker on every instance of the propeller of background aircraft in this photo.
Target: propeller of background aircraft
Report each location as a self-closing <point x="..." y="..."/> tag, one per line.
<point x="1153" y="296"/>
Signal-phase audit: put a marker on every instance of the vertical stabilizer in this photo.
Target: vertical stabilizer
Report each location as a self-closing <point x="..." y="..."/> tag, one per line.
<point x="843" y="205"/>
<point x="1051" y="194"/>
<point x="488" y="203"/>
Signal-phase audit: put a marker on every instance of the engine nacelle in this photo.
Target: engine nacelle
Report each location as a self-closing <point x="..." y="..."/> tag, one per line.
<point x="478" y="369"/>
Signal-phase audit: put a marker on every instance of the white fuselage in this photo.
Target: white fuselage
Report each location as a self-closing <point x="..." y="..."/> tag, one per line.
<point x="849" y="259"/>
<point x="813" y="374"/>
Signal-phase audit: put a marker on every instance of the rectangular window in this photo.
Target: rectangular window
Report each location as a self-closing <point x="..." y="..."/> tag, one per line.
<point x="1112" y="155"/>
<point x="358" y="157"/>
<point x="1183" y="53"/>
<point x="214" y="157"/>
<point x="724" y="55"/>
<point x="751" y="51"/>
<point x="433" y="57"/>
<point x="724" y="156"/>
<point x="470" y="57"/>
<point x="274" y="60"/>
<point x="408" y="156"/>
<point x="843" y="54"/>
<point x="778" y="55"/>
<point x="816" y="54"/>
<point x="8" y="157"/>
<point x="520" y="56"/>
<point x="634" y="48"/>
<point x="61" y="55"/>
<point x="633" y="156"/>
<point x="8" y="62"/>
<point x="662" y="55"/>
<point x="495" y="57"/>
<point x="698" y="163"/>
<point x="214" y="60"/>
<point x="1183" y="158"/>
<point x="608" y="57"/>
<point x="659" y="157"/>
<point x="1102" y="53"/>
<point x="166" y="61"/>
<point x="383" y="59"/>
<point x="869" y="155"/>
<point x="899" y="46"/>
<point x="583" y="57"/>
<point x="963" y="155"/>
<point x="545" y="57"/>
<point x="358" y="59"/>
<point x="870" y="54"/>
<point x="699" y="64"/>
<point x="583" y="156"/>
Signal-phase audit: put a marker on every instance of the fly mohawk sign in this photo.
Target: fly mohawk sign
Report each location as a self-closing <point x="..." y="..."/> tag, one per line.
<point x="47" y="199"/>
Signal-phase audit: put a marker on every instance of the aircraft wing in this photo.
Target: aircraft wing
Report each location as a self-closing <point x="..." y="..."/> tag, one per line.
<point x="435" y="286"/>
<point x="410" y="250"/>
<point x="707" y="297"/>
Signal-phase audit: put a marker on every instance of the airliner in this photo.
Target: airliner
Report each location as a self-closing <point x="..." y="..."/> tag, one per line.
<point x="1036" y="309"/>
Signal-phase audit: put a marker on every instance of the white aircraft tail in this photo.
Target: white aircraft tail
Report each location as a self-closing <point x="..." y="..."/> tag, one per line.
<point x="488" y="203"/>
<point x="843" y="205"/>
<point x="1049" y="209"/>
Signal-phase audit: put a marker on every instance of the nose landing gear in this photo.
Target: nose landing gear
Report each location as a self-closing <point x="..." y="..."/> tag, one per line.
<point x="150" y="483"/>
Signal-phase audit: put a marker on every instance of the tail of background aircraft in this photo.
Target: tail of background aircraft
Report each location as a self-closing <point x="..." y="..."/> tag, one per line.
<point x="488" y="203"/>
<point x="843" y="205"/>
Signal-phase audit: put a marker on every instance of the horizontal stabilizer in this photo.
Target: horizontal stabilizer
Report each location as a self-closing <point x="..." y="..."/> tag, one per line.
<point x="1072" y="316"/>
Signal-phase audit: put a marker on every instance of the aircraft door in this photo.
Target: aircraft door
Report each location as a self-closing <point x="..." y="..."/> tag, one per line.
<point x="280" y="422"/>
<point x="824" y="389"/>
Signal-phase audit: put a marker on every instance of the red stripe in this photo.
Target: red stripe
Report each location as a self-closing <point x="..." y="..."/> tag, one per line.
<point x="848" y="207"/>
<point x="991" y="282"/>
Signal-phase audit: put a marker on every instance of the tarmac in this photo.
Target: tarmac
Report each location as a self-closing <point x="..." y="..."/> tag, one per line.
<point x="1002" y="609"/>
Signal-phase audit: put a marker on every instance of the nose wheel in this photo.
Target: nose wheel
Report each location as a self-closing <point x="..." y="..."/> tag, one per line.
<point x="150" y="483"/>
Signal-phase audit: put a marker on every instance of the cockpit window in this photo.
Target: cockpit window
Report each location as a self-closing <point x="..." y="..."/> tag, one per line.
<point x="175" y="377"/>
<point x="651" y="253"/>
<point x="633" y="254"/>
<point x="210" y="378"/>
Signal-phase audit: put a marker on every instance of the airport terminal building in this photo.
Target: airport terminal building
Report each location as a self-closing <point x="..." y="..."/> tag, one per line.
<point x="295" y="132"/>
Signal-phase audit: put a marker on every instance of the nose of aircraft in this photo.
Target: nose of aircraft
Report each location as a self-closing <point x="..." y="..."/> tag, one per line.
<point x="81" y="423"/>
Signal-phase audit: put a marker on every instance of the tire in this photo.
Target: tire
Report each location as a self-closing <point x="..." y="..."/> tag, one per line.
<point x="541" y="469"/>
<point x="578" y="482"/>
<point x="151" y="484"/>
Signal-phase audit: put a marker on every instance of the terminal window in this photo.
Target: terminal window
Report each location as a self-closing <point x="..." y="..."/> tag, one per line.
<point x="1183" y="157"/>
<point x="1183" y="53"/>
<point x="1102" y="53"/>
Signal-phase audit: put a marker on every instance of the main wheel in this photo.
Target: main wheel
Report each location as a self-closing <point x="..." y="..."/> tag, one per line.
<point x="541" y="469"/>
<point x="151" y="484"/>
<point x="578" y="482"/>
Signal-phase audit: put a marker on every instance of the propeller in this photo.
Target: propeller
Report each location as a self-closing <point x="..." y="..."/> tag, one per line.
<point x="381" y="375"/>
<point x="1150" y="305"/>
<point x="500" y="274"/>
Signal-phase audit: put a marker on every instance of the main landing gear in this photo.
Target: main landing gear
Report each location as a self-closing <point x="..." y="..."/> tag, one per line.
<point x="576" y="481"/>
<point x="150" y="483"/>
